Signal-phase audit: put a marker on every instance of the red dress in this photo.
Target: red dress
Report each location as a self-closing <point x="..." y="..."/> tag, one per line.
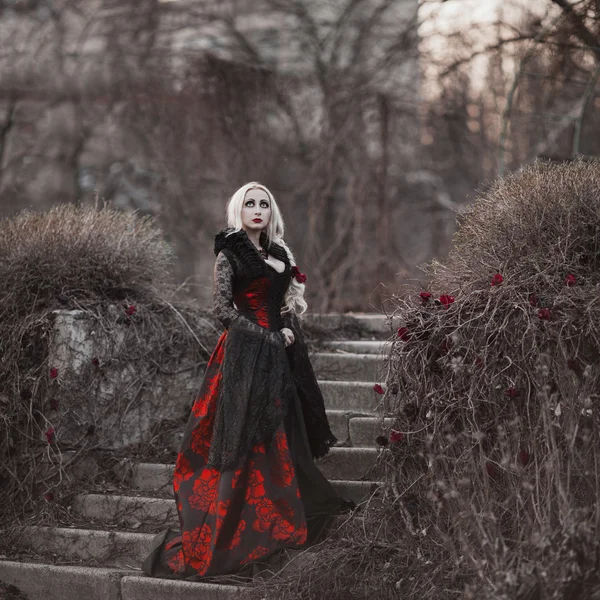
<point x="266" y="494"/>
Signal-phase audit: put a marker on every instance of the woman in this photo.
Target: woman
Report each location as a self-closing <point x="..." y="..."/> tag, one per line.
<point x="245" y="483"/>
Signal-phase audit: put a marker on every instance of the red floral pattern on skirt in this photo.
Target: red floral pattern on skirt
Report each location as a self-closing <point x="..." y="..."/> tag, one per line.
<point x="231" y="518"/>
<point x="183" y="471"/>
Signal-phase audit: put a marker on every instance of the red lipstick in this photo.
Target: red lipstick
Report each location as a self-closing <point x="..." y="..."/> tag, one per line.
<point x="257" y="220"/>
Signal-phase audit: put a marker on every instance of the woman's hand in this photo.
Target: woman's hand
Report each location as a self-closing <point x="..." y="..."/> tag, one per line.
<point x="288" y="336"/>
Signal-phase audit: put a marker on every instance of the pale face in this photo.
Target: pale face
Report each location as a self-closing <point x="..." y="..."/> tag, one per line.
<point x="256" y="210"/>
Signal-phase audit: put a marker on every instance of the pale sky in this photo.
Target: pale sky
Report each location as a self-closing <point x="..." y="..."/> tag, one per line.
<point x="472" y="19"/>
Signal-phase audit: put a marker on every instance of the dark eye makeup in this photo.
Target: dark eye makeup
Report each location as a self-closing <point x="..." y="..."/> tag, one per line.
<point x="263" y="203"/>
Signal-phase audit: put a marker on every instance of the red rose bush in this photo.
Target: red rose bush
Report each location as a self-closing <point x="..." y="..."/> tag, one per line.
<point x="495" y="418"/>
<point x="491" y="465"/>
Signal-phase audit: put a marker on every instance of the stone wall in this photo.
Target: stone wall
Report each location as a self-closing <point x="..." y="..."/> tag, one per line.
<point x="119" y="408"/>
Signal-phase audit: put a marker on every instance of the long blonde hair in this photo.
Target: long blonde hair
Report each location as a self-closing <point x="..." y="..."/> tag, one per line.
<point x="294" y="297"/>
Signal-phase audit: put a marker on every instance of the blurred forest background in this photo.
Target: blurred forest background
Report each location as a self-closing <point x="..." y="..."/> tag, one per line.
<point x="372" y="121"/>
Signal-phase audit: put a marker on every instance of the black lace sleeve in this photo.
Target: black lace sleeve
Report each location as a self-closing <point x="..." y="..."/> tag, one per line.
<point x="223" y="291"/>
<point x="286" y="317"/>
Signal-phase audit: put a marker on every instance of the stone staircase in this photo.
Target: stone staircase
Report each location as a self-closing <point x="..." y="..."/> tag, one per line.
<point x="119" y="527"/>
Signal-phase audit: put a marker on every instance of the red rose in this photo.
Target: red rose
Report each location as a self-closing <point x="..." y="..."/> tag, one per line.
<point x="497" y="279"/>
<point x="50" y="435"/>
<point x="396" y="436"/>
<point x="53" y="373"/>
<point x="533" y="300"/>
<point x="378" y="389"/>
<point x="300" y="277"/>
<point x="446" y="300"/>
<point x="49" y="496"/>
<point x="403" y="334"/>
<point x="53" y="404"/>
<point x="130" y="310"/>
<point x="523" y="457"/>
<point x="570" y="280"/>
<point x="95" y="361"/>
<point x="511" y="392"/>
<point x="544" y="314"/>
<point x="425" y="296"/>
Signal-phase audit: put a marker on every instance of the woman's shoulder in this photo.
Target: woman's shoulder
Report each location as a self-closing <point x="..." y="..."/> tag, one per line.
<point x="224" y="239"/>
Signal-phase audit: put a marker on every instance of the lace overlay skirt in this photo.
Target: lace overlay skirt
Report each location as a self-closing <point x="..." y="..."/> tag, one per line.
<point x="231" y="519"/>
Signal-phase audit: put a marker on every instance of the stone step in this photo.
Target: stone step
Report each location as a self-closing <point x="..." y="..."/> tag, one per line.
<point x="158" y="478"/>
<point x="126" y="511"/>
<point x="151" y="588"/>
<point x="51" y="582"/>
<point x="354" y="464"/>
<point x="377" y="347"/>
<point x="339" y="421"/>
<point x="365" y="428"/>
<point x="351" y="395"/>
<point x="341" y="366"/>
<point x="356" y="428"/>
<point x="121" y="549"/>
<point x="362" y="433"/>
<point x="341" y="464"/>
<point x="131" y="511"/>
<point x="371" y="322"/>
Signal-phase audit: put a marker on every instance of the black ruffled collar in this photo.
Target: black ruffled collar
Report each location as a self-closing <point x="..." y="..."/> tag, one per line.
<point x="244" y="250"/>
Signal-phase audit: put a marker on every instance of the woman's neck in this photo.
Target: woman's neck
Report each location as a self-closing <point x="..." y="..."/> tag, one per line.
<point x="253" y="236"/>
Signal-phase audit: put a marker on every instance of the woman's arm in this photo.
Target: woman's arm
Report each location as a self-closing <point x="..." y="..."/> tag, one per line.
<point x="223" y="291"/>
<point x="288" y="328"/>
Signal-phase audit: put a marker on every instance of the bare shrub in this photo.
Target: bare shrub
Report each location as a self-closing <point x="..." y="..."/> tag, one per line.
<point x="68" y="255"/>
<point x="113" y="267"/>
<point x="491" y="483"/>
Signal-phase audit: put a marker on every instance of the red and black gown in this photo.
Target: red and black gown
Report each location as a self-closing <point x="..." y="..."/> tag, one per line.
<point x="245" y="482"/>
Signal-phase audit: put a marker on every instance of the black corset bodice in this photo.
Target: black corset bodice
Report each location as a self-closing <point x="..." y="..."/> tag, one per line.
<point x="244" y="278"/>
<point x="260" y="298"/>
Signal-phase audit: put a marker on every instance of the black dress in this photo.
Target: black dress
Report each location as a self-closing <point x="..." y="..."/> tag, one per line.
<point x="245" y="482"/>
